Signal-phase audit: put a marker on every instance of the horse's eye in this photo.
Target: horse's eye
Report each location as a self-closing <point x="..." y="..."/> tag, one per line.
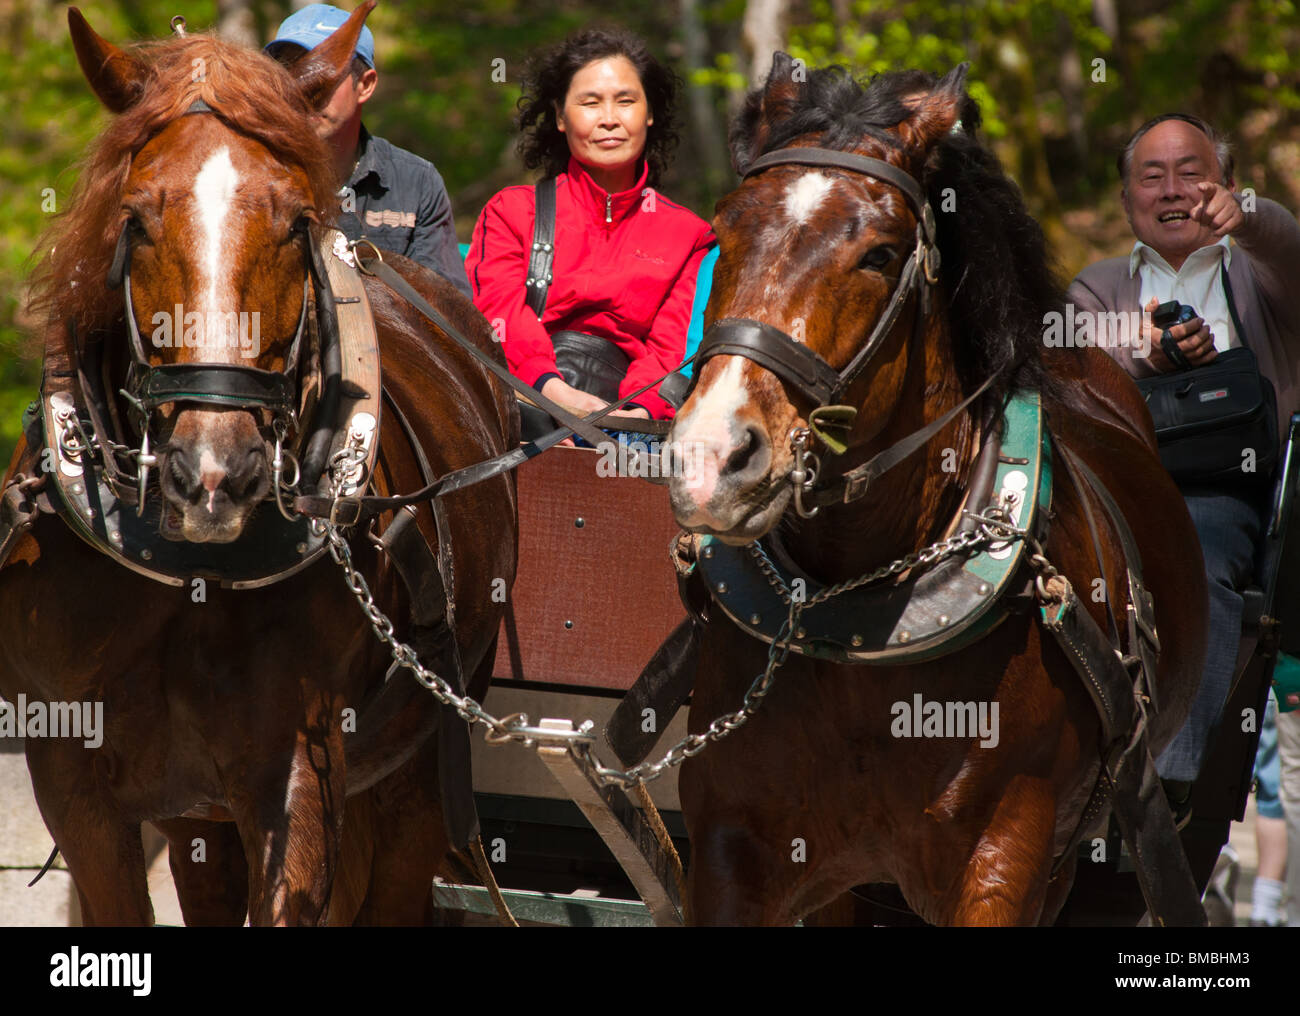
<point x="877" y="258"/>
<point x="301" y="228"/>
<point x="135" y="231"/>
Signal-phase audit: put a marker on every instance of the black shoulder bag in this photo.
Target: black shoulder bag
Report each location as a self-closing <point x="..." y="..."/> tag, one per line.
<point x="1208" y="419"/>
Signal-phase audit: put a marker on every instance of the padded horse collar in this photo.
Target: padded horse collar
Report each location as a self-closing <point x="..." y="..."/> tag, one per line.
<point x="930" y="614"/>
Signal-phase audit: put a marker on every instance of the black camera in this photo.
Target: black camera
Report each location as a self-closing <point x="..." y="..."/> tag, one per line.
<point x="1172" y="313"/>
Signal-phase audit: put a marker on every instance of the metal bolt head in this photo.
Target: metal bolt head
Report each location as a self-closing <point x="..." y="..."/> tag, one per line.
<point x="856" y="640"/>
<point x="568" y="624"/>
<point x="147" y="554"/>
<point x="755" y="619"/>
<point x="77" y="488"/>
<point x="721" y="587"/>
<point x="904" y="636"/>
<point x="984" y="589"/>
<point x="943" y="620"/>
<point x="579" y="522"/>
<point x="708" y="551"/>
<point x="801" y="633"/>
<point x="301" y="548"/>
<point x="114" y="536"/>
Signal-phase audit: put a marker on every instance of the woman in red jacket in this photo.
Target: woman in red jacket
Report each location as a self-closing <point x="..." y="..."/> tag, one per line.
<point x="596" y="114"/>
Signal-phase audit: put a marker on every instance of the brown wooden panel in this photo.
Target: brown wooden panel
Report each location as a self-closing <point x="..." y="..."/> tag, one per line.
<point x="592" y="602"/>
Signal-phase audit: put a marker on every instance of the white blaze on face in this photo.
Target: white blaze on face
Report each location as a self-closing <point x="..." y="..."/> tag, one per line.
<point x="705" y="434"/>
<point x="214" y="192"/>
<point x="806" y="195"/>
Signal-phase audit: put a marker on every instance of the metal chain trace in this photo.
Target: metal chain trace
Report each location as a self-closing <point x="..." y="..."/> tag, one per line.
<point x="993" y="527"/>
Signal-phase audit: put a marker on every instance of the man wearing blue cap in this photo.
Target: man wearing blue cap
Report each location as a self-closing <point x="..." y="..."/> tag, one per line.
<point x="391" y="197"/>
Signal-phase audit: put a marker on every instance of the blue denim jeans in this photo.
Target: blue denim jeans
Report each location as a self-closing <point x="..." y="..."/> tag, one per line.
<point x="1268" y="766"/>
<point x="1229" y="527"/>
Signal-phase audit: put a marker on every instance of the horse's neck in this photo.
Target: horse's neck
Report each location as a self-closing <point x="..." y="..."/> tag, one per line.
<point x="911" y="505"/>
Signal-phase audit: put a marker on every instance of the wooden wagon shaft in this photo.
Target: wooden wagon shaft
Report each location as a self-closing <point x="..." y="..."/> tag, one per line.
<point x="622" y="827"/>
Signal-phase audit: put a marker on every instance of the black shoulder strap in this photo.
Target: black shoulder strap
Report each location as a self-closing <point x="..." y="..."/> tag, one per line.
<point x="543" y="252"/>
<point x="1232" y="306"/>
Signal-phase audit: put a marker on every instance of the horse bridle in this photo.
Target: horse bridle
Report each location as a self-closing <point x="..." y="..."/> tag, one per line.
<point x="808" y="373"/>
<point x="231" y="385"/>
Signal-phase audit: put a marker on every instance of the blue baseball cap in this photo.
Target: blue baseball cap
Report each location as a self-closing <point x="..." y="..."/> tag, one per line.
<point x="314" y="24"/>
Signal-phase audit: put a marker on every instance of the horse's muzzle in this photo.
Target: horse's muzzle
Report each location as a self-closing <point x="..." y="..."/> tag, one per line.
<point x="211" y="482"/>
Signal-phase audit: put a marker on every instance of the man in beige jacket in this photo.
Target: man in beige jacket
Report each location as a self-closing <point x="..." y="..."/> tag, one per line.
<point x="1193" y="234"/>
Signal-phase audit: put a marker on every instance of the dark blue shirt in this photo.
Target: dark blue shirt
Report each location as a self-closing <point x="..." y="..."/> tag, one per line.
<point x="398" y="201"/>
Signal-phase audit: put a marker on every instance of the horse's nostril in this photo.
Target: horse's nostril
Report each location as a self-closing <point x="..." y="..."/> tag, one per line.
<point x="747" y="453"/>
<point x="182" y="471"/>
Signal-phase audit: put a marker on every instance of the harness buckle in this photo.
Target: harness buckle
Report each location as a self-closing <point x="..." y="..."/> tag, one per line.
<point x="855" y="486"/>
<point x="345" y="511"/>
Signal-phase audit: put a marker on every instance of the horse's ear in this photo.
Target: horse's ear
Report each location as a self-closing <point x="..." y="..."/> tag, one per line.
<point x="117" y="77"/>
<point x="764" y="107"/>
<point x="937" y="112"/>
<point x="321" y="69"/>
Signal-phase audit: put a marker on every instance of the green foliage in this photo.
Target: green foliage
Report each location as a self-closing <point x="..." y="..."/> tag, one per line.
<point x="1234" y="61"/>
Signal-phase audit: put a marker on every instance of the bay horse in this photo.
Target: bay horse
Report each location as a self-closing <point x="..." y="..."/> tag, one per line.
<point x="252" y="726"/>
<point x="823" y="789"/>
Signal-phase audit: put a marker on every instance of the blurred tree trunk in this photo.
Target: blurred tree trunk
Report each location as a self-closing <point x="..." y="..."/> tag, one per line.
<point x="708" y="131"/>
<point x="841" y="11"/>
<point x="235" y="22"/>
<point x="764" y="34"/>
<point x="1071" y="80"/>
<point x="1022" y="150"/>
<point x="1106" y="15"/>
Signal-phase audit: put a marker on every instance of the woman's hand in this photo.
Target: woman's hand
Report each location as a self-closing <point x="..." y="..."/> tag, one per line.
<point x="635" y="413"/>
<point x="579" y="403"/>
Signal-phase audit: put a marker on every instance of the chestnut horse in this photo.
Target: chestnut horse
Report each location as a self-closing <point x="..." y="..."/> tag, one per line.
<point x="818" y="792"/>
<point x="240" y="724"/>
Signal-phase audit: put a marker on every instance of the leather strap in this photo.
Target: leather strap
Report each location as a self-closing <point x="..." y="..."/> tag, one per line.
<point x="662" y="687"/>
<point x="854" y="484"/>
<point x="1176" y="356"/>
<point x="1138" y="800"/>
<point x="1232" y="306"/>
<point x="431" y="587"/>
<point x="1142" y="638"/>
<point x="772" y="348"/>
<point x="831" y="159"/>
<point x="543" y="252"/>
<point x="216" y="383"/>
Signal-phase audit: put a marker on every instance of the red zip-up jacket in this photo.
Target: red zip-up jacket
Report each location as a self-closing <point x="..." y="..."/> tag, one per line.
<point x="625" y="268"/>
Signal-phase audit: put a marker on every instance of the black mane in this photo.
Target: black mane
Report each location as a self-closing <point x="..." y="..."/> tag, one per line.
<point x="997" y="270"/>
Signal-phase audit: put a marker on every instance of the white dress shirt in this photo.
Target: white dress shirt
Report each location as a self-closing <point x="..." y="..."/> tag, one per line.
<point x="1197" y="284"/>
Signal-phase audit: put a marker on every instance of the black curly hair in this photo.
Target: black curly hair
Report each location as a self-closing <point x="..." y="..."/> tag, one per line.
<point x="542" y="144"/>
